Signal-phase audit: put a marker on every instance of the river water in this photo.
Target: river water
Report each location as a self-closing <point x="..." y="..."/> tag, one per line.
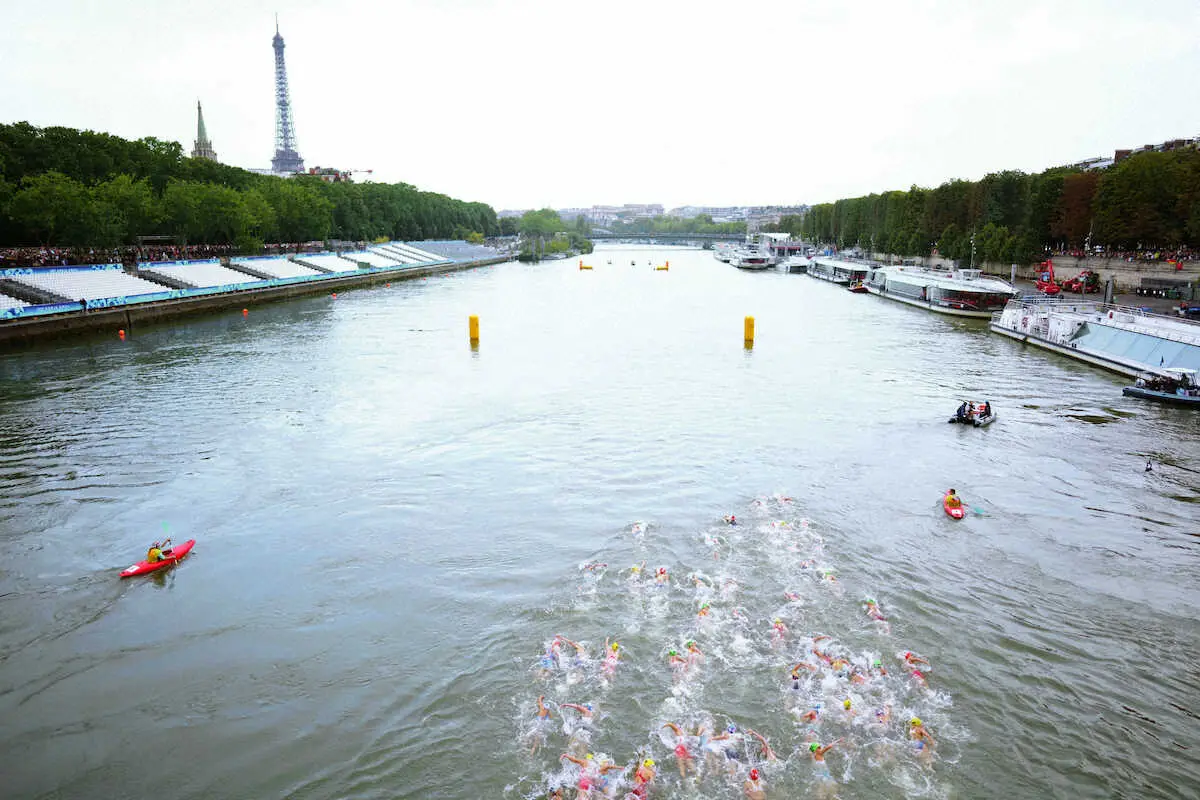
<point x="392" y="528"/>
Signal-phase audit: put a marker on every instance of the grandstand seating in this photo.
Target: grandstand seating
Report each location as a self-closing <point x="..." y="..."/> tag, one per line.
<point x="416" y="252"/>
<point x="280" y="267"/>
<point x="459" y="250"/>
<point x="330" y="261"/>
<point x="89" y="284"/>
<point x="7" y="302"/>
<point x="392" y="252"/>
<point x="200" y="274"/>
<point x="375" y="259"/>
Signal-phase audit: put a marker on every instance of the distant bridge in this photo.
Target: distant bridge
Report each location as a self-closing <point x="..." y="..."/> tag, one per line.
<point x="670" y="237"/>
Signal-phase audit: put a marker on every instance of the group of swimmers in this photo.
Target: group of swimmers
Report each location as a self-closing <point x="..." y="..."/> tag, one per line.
<point x="818" y="669"/>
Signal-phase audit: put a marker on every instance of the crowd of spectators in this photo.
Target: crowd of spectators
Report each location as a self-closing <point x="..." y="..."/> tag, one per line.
<point x="1149" y="255"/>
<point x="71" y="256"/>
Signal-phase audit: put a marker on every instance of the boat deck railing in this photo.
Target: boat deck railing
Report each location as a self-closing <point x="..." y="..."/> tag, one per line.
<point x="1175" y="329"/>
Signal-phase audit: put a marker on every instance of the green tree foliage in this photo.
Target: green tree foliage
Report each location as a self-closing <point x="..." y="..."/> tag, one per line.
<point x="676" y="225"/>
<point x="68" y="187"/>
<point x="1149" y="200"/>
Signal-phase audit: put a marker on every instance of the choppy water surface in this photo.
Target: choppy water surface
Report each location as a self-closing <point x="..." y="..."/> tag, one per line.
<point x="392" y="530"/>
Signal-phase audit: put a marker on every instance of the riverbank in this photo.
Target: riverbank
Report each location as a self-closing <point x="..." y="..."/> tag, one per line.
<point x="24" y="331"/>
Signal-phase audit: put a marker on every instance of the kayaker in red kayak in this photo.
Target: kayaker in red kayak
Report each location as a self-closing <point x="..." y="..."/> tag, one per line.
<point x="157" y="551"/>
<point x="953" y="500"/>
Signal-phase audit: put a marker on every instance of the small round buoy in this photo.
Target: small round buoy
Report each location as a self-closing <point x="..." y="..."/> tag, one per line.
<point x="245" y="311"/>
<point x="121" y="333"/>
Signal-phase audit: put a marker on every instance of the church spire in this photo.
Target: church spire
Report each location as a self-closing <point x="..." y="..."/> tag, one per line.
<point x="203" y="147"/>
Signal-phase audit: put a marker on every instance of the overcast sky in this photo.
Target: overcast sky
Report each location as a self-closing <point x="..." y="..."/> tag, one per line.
<point x="560" y="103"/>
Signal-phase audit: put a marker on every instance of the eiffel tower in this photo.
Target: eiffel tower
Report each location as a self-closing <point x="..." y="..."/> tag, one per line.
<point x="286" y="159"/>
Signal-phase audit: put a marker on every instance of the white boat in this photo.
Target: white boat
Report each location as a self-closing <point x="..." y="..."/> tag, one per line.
<point x="796" y="264"/>
<point x="751" y="259"/>
<point x="837" y="270"/>
<point x="1119" y="338"/>
<point x="960" y="292"/>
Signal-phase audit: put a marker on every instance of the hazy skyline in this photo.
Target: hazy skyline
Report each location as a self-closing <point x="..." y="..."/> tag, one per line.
<point x="537" y="104"/>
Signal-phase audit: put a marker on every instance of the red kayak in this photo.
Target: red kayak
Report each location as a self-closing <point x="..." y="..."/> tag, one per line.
<point x="957" y="513"/>
<point x="170" y="556"/>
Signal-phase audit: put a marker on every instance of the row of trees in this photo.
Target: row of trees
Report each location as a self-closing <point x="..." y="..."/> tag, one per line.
<point x="544" y="231"/>
<point x="1149" y="200"/>
<point x="66" y="187"/>
<point x="702" y="223"/>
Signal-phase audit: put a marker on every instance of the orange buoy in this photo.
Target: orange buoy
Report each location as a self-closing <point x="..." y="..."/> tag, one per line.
<point x="245" y="311"/>
<point x="121" y="333"/>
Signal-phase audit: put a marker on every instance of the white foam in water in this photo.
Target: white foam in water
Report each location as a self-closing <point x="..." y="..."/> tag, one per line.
<point x="726" y="594"/>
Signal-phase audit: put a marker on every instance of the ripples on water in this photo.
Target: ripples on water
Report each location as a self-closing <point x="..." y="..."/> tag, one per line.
<point x="390" y="529"/>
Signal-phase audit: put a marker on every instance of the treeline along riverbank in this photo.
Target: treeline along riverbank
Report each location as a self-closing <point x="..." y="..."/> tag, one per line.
<point x="1148" y="201"/>
<point x="68" y="187"/>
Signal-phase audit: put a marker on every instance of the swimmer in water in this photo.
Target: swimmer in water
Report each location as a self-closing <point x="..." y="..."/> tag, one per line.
<point x="635" y="571"/>
<point x="753" y="786"/>
<point x="911" y="659"/>
<point x="612" y="657"/>
<point x="883" y="715"/>
<point x="704" y="611"/>
<point x="857" y="677"/>
<point x="795" y="674"/>
<point x="694" y="656"/>
<point x="580" y="657"/>
<point x="812" y="715"/>
<point x="677" y="663"/>
<point x="778" y="631"/>
<point x="827" y="575"/>
<point x="820" y="768"/>
<point x="878" y="665"/>
<point x="873" y="611"/>
<point x="919" y="677"/>
<point x="661" y="577"/>
<point x="731" y="520"/>
<point x="643" y="776"/>
<point x="729" y="743"/>
<point x="767" y="752"/>
<point x="790" y="595"/>
<point x="684" y="757"/>
<point x="922" y="740"/>
<point x="848" y="707"/>
<point x="549" y="660"/>
<point x="592" y="566"/>
<point x="537" y="735"/>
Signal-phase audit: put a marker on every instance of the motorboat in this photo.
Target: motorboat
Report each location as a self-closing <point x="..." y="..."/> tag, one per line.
<point x="751" y="259"/>
<point x="974" y="413"/>
<point x="858" y="287"/>
<point x="960" y="292"/>
<point x="1173" y="385"/>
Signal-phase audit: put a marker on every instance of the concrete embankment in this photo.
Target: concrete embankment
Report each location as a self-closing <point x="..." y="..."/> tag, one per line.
<point x="20" y="332"/>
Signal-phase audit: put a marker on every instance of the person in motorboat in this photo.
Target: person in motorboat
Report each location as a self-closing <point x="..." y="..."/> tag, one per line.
<point x="158" y="551"/>
<point x="953" y="500"/>
<point x="964" y="412"/>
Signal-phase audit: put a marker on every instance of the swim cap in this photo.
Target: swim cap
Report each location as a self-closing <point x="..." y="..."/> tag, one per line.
<point x="869" y="600"/>
<point x="846" y="703"/>
<point x="690" y="643"/>
<point x="588" y="706"/>
<point x="615" y="646"/>
<point x="877" y="663"/>
<point x="590" y="756"/>
<point x="732" y="729"/>
<point x="649" y="762"/>
<point x="814" y="747"/>
<point x="672" y="652"/>
<point x="915" y="721"/>
<point x="778" y="621"/>
<point x="753" y="774"/>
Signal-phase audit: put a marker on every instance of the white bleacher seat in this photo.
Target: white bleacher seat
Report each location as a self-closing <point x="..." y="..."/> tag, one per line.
<point x="89" y="284"/>
<point x="7" y="302"/>
<point x="278" y="267"/>
<point x="376" y="259"/>
<point x="201" y="274"/>
<point x="330" y="261"/>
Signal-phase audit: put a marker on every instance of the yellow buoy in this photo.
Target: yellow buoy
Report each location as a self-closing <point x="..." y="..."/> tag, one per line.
<point x="749" y="331"/>
<point x="473" y="328"/>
